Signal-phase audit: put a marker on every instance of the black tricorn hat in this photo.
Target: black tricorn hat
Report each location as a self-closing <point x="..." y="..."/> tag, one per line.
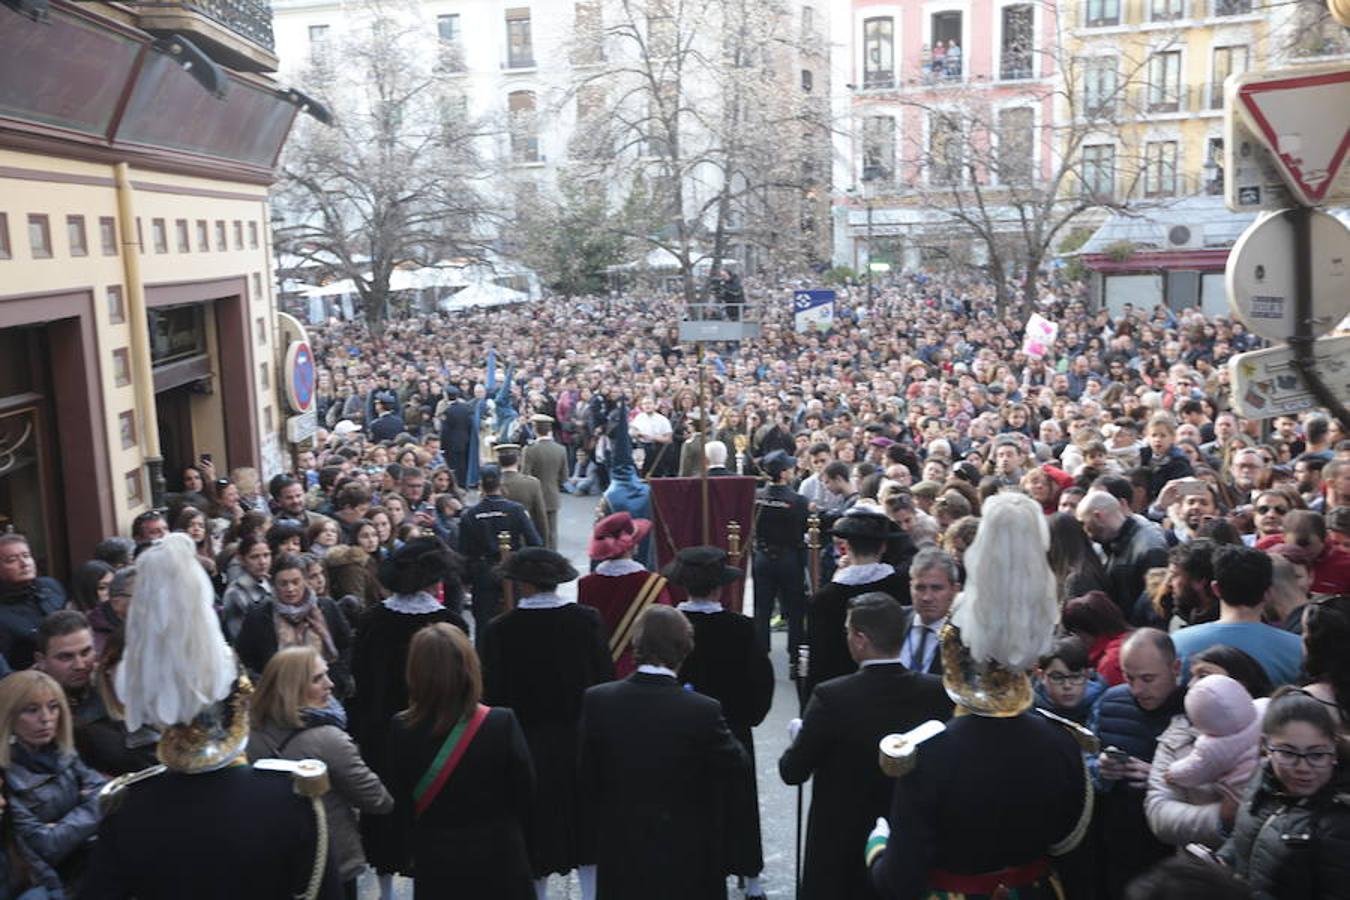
<point x="865" y="522"/>
<point x="537" y="565"/>
<point x="419" y="564"/>
<point x="701" y="564"/>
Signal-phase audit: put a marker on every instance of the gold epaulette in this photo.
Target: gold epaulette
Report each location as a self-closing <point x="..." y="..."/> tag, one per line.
<point x="111" y="794"/>
<point x="309" y="777"/>
<point x="1087" y="741"/>
<point x="898" y="753"/>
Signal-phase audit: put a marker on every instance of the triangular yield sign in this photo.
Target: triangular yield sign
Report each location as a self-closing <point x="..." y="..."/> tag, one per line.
<point x="1296" y="117"/>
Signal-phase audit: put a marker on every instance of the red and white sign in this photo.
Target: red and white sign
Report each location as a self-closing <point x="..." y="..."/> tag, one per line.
<point x="1300" y="114"/>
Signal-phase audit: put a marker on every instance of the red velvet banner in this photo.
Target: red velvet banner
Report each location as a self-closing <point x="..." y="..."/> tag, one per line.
<point x="677" y="504"/>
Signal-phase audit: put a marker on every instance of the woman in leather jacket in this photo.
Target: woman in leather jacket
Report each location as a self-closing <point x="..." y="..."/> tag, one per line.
<point x="1292" y="833"/>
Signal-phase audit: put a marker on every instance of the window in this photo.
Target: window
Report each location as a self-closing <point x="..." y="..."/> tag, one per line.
<point x="1016" y="145"/>
<point x="265" y="377"/>
<point x="1232" y="7"/>
<point x="121" y="366"/>
<point x="808" y="80"/>
<point x="1015" y="60"/>
<point x="1227" y="61"/>
<point x="1099" y="86"/>
<point x="79" y="243"/>
<point x="203" y="237"/>
<point x="126" y="425"/>
<point x="808" y="23"/>
<point x="878" y="149"/>
<point x="107" y="235"/>
<point x="524" y="127"/>
<point x="946" y="149"/>
<point x="257" y="286"/>
<point x="1164" y="81"/>
<point x="39" y="236"/>
<point x="135" y="493"/>
<point x="5" y="252"/>
<point x="519" y="43"/>
<point x="1099" y="170"/>
<point x="589" y="34"/>
<point x="1214" y="159"/>
<point x="318" y="36"/>
<point x="1166" y="10"/>
<point x="946" y="61"/>
<point x="447" y="28"/>
<point x="222" y="242"/>
<point x="260" y="327"/>
<point x="253" y="235"/>
<point x="1160" y="169"/>
<point x="117" y="310"/>
<point x="159" y="233"/>
<point x="660" y="32"/>
<point x="180" y="227"/>
<point x="590" y="140"/>
<point x="879" y="53"/>
<point x="1101" y="13"/>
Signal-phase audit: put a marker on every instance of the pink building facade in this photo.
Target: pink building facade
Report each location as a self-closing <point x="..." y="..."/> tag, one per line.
<point x="935" y="88"/>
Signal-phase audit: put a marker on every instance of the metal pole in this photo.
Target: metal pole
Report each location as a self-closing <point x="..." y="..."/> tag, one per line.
<point x="703" y="450"/>
<point x="871" y="289"/>
<point x="1302" y="341"/>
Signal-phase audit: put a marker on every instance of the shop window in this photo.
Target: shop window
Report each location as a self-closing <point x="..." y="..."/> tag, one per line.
<point x="117" y="310"/>
<point x="107" y="235"/>
<point x="126" y="425"/>
<point x="159" y="233"/>
<point x="39" y="236"/>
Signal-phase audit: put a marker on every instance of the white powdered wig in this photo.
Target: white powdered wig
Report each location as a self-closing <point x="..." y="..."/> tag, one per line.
<point x="1008" y="608"/>
<point x="177" y="662"/>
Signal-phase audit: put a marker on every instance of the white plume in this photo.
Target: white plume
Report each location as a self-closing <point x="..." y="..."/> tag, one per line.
<point x="177" y="662"/>
<point x="1008" y="609"/>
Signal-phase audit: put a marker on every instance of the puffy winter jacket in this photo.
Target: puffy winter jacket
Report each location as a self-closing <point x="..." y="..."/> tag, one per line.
<point x="22" y="609"/>
<point x="1096" y="686"/>
<point x="1286" y="847"/>
<point x="53" y="798"/>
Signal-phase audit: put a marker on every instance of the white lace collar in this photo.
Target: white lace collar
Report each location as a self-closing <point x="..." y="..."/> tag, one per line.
<point x="700" y="606"/>
<point x="618" y="567"/>
<point x="646" y="669"/>
<point x="419" y="603"/>
<point x="543" y="601"/>
<point x="865" y="573"/>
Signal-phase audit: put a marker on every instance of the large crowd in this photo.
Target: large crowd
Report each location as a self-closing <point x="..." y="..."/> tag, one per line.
<point x="397" y="587"/>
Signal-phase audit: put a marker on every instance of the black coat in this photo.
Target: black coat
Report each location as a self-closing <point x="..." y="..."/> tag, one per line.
<point x="844" y="721"/>
<point x="1285" y="846"/>
<point x="379" y="664"/>
<point x="825" y="617"/>
<point x="539" y="662"/>
<point x="729" y="665"/>
<point x="985" y="795"/>
<point x="655" y="759"/>
<point x="219" y="835"/>
<point x="470" y="842"/>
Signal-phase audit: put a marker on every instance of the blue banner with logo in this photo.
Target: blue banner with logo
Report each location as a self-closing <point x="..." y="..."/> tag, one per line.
<point x="813" y="310"/>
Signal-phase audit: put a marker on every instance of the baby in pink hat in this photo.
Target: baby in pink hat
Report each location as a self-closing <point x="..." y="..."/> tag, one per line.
<point x="1226" y="749"/>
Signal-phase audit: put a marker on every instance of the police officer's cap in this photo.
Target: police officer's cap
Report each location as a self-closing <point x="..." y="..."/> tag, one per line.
<point x="865" y="522"/>
<point x="776" y="463"/>
<point x="539" y="566"/>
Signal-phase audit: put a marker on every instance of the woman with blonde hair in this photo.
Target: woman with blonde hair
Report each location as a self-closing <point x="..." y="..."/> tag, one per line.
<point x="292" y="720"/>
<point x="52" y="795"/>
<point x="462" y="776"/>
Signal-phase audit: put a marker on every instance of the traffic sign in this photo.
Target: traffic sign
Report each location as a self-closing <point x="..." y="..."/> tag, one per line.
<point x="300" y="377"/>
<point x="1266" y="384"/>
<point x="1252" y="181"/>
<point x="1294" y="113"/>
<point x="1261" y="275"/>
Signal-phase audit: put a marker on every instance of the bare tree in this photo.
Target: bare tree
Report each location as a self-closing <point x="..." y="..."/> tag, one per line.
<point x="690" y="110"/>
<point x="396" y="180"/>
<point x="1011" y="179"/>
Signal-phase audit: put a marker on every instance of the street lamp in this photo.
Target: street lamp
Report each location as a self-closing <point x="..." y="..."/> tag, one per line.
<point x="870" y="174"/>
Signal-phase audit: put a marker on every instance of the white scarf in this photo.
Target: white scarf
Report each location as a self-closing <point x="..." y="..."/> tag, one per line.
<point x="543" y="601"/>
<point x="416" y="604"/>
<point x="865" y="573"/>
<point x="700" y="606"/>
<point x="647" y="669"/>
<point x="616" y="567"/>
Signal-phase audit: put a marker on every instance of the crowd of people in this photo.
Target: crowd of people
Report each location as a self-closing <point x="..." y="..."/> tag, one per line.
<point x="395" y="600"/>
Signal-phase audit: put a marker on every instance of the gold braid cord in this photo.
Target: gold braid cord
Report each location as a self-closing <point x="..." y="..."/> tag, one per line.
<point x="320" y="851"/>
<point x="1075" y="837"/>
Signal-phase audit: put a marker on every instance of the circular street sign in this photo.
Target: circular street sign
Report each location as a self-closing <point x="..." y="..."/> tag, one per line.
<point x="300" y="377"/>
<point x="1261" y="268"/>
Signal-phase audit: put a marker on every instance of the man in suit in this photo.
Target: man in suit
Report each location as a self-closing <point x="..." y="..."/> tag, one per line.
<point x="934" y="580"/>
<point x="457" y="432"/>
<point x="656" y="761"/>
<point x="523" y="489"/>
<point x="546" y="460"/>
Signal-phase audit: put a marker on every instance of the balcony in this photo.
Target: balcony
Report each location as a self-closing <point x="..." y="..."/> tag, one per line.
<point x="1015" y="65"/>
<point x="1165" y="99"/>
<point x="235" y="33"/>
<point x="1211" y="96"/>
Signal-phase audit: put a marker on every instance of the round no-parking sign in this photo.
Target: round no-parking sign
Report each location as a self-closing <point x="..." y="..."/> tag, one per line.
<point x="300" y="377"/>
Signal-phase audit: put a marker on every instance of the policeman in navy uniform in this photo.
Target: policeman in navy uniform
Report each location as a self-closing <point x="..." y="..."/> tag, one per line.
<point x="479" y="528"/>
<point x="779" y="559"/>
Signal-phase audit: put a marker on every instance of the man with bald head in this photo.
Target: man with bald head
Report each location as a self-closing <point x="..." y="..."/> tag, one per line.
<point x="1128" y="720"/>
<point x="1131" y="550"/>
